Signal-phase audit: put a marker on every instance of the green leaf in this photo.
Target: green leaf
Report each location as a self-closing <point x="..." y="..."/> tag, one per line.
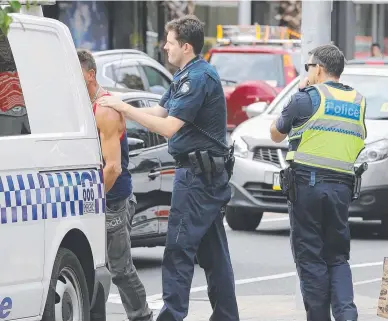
<point x="15" y="5"/>
<point x="2" y="17"/>
<point x="7" y="21"/>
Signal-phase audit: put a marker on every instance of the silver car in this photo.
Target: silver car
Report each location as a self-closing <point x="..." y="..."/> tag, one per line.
<point x="255" y="182"/>
<point x="130" y="68"/>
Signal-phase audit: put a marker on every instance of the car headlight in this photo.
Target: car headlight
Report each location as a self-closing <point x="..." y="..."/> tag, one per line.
<point x="240" y="147"/>
<point x="374" y="152"/>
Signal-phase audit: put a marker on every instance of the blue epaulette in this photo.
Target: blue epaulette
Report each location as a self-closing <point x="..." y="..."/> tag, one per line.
<point x="307" y="89"/>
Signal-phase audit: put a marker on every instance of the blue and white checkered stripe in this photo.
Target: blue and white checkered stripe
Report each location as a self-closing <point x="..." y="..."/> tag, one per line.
<point x="31" y="197"/>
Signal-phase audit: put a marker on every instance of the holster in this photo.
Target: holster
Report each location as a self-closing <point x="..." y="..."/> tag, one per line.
<point x="356" y="188"/>
<point x="229" y="162"/>
<point x="202" y="163"/>
<point x="357" y="180"/>
<point x="288" y="184"/>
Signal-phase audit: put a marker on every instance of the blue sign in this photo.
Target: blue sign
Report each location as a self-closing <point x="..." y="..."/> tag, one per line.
<point x="5" y="307"/>
<point x="342" y="109"/>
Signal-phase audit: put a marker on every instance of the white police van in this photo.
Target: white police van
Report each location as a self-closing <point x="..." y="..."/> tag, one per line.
<point x="52" y="218"/>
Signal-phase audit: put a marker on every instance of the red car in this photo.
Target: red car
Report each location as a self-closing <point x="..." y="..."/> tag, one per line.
<point x="253" y="72"/>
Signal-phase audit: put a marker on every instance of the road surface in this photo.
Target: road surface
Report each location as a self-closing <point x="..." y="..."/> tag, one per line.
<point x="265" y="274"/>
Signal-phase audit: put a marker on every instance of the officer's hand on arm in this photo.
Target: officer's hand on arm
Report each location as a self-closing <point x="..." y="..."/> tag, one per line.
<point x="122" y="107"/>
<point x="187" y="101"/>
<point x="107" y="121"/>
<point x="283" y="124"/>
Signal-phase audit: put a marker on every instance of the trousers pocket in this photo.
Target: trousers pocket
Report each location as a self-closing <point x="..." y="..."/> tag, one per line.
<point x="116" y="220"/>
<point x="118" y="249"/>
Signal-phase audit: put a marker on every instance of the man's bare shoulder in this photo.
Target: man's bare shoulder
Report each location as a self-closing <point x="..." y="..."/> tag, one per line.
<point x="108" y="118"/>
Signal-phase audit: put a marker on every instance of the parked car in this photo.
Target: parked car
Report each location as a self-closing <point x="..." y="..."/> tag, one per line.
<point x="252" y="68"/>
<point x="259" y="159"/>
<point x="152" y="170"/>
<point x="130" y="68"/>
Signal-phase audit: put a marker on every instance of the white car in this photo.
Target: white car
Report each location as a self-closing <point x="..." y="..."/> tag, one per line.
<point x="52" y="200"/>
<point x="130" y="68"/>
<point x="255" y="182"/>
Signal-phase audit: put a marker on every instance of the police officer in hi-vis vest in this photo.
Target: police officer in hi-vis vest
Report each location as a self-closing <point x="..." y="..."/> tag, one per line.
<point x="324" y="122"/>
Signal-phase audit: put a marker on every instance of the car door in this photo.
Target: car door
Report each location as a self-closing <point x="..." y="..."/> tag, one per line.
<point x="166" y="172"/>
<point x="143" y="160"/>
<point x="22" y="194"/>
<point x="144" y="164"/>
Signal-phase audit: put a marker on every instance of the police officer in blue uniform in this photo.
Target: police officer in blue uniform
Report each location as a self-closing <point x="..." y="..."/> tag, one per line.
<point x="192" y="114"/>
<point x="325" y="125"/>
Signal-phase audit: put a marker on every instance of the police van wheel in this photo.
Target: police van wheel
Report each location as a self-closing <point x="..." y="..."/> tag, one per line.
<point x="242" y="219"/>
<point x="68" y="296"/>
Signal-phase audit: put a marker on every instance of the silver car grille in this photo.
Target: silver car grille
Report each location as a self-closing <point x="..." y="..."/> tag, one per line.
<point x="268" y="154"/>
<point x="265" y="193"/>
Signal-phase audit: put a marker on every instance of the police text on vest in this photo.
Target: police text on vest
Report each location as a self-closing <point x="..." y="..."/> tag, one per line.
<point x="342" y="109"/>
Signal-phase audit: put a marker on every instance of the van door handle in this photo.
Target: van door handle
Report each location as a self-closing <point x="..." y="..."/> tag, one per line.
<point x="153" y="175"/>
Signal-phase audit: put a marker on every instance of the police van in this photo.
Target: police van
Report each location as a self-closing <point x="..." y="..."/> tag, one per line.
<point x="52" y="201"/>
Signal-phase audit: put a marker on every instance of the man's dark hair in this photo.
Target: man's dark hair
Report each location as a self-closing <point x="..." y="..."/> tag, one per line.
<point x="86" y="59"/>
<point x="189" y="29"/>
<point x="375" y="44"/>
<point x="330" y="58"/>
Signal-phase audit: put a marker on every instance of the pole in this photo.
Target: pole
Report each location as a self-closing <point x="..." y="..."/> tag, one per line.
<point x="244" y="12"/>
<point x="316" y="27"/>
<point x="316" y="31"/>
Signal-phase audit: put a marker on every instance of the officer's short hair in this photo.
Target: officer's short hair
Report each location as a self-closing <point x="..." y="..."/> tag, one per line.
<point x="330" y="58"/>
<point x="86" y="59"/>
<point x="189" y="29"/>
<point x="375" y="44"/>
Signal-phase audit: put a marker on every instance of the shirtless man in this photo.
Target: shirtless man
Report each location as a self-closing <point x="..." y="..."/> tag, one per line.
<point x="120" y="201"/>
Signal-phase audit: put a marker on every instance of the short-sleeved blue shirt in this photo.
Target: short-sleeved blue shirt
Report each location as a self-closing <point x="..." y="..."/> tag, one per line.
<point x="196" y="96"/>
<point x="299" y="109"/>
<point x="301" y="106"/>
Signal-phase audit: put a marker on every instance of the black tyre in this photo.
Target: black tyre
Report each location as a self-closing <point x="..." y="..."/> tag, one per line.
<point x="68" y="296"/>
<point x="240" y="219"/>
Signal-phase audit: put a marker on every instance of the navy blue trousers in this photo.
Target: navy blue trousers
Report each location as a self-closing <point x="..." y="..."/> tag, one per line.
<point x="320" y="242"/>
<point x="195" y="227"/>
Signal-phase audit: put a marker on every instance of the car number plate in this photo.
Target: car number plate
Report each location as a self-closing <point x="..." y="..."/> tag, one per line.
<point x="276" y="182"/>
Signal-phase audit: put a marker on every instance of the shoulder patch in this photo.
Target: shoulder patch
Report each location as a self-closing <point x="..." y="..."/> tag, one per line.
<point x="184" y="76"/>
<point x="185" y="87"/>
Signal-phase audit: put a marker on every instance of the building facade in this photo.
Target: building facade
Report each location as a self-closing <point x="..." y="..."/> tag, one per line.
<point x="101" y="25"/>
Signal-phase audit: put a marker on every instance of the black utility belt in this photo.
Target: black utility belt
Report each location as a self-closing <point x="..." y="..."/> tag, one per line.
<point x="200" y="160"/>
<point x="306" y="179"/>
<point x="289" y="179"/>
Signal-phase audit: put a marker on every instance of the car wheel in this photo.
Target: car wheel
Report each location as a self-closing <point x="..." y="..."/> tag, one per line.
<point x="241" y="219"/>
<point x="68" y="295"/>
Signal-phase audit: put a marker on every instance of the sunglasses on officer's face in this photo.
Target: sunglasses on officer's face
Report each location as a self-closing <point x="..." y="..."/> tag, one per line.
<point x="307" y="66"/>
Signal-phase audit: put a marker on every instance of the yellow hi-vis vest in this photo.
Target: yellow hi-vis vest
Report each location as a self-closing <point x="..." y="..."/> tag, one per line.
<point x="334" y="135"/>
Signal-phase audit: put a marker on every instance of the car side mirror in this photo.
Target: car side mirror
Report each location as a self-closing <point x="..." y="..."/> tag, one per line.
<point x="135" y="146"/>
<point x="256" y="109"/>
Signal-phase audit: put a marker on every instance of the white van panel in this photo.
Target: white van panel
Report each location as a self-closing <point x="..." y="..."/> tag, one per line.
<point x="21" y="242"/>
<point x="41" y="185"/>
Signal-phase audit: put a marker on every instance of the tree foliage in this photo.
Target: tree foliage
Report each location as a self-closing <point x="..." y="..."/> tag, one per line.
<point x="12" y="7"/>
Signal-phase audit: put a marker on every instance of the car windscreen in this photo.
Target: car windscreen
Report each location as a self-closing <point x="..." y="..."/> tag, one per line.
<point x="372" y="87"/>
<point x="240" y="66"/>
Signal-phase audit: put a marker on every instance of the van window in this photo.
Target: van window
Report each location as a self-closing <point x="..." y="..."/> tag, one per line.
<point x="13" y="111"/>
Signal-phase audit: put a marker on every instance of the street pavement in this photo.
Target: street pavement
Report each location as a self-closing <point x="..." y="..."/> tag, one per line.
<point x="266" y="284"/>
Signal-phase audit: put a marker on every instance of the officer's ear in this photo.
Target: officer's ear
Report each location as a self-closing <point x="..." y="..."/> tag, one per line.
<point x="188" y="48"/>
